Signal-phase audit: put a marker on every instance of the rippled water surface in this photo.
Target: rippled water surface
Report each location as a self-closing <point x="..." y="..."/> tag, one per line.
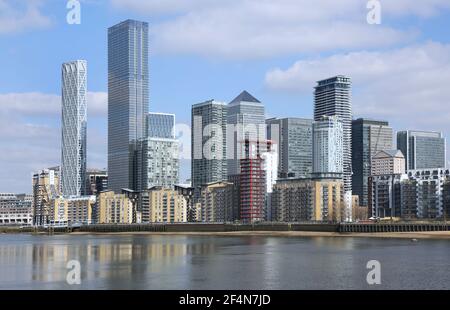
<point x="202" y="262"/>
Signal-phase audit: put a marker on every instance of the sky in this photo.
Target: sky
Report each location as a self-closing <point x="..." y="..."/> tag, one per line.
<point x="214" y="49"/>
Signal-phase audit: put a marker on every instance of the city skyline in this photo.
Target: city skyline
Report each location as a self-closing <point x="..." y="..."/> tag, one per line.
<point x="44" y="125"/>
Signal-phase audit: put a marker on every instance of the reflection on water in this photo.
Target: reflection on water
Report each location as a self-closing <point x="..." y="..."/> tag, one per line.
<point x="188" y="262"/>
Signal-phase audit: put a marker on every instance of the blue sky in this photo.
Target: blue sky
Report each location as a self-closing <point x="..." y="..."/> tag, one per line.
<point x="205" y="49"/>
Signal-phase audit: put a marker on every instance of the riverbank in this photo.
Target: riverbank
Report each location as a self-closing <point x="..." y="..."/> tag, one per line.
<point x="400" y="235"/>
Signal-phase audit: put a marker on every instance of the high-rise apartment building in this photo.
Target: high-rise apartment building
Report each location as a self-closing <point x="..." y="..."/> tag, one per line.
<point x="328" y="155"/>
<point x="159" y="159"/>
<point x="293" y="138"/>
<point x="368" y="138"/>
<point x="253" y="181"/>
<point x="209" y="148"/>
<point x="422" y="149"/>
<point x="74" y="126"/>
<point x="128" y="100"/>
<point x="332" y="97"/>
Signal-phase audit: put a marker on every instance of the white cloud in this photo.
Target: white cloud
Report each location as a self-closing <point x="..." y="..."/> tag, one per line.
<point x="407" y="86"/>
<point x="39" y="104"/>
<point x="266" y="28"/>
<point x="17" y="16"/>
<point x="31" y="136"/>
<point x="155" y="7"/>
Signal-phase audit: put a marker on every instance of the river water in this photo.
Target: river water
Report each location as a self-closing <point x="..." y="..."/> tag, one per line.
<point x="211" y="262"/>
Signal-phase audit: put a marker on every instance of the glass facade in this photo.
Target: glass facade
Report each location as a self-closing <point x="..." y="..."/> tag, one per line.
<point x="294" y="139"/>
<point x="422" y="149"/>
<point x="74" y="126"/>
<point x="128" y="99"/>
<point x="212" y="115"/>
<point x="161" y="125"/>
<point x="368" y="138"/>
<point x="246" y="114"/>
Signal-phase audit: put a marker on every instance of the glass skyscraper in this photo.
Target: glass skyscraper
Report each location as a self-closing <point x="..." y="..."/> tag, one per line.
<point x="128" y="100"/>
<point x="422" y="149"/>
<point x="368" y="138"/>
<point x="209" y="123"/>
<point x="293" y="137"/>
<point x="161" y="125"/>
<point x="74" y="124"/>
<point x="247" y="115"/>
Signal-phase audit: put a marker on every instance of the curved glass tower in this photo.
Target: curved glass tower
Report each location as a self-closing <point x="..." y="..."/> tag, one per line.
<point x="74" y="123"/>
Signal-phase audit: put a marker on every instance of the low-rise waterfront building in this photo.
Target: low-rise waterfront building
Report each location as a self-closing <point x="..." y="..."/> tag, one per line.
<point x="114" y="208"/>
<point x="309" y="199"/>
<point x="73" y="210"/>
<point x="420" y="194"/>
<point x="216" y="201"/>
<point x="165" y="205"/>
<point x="45" y="189"/>
<point x="16" y="209"/>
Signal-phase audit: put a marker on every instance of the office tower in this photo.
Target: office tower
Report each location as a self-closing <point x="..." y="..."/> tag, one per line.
<point x="332" y="97"/>
<point x="161" y="125"/>
<point x="209" y="149"/>
<point x="217" y="202"/>
<point x="128" y="99"/>
<point x="388" y="162"/>
<point x="96" y="181"/>
<point x="246" y="121"/>
<point x="73" y="124"/>
<point x="293" y="137"/>
<point x="422" y="149"/>
<point x="16" y="209"/>
<point x="368" y="137"/>
<point x="45" y="189"/>
<point x="308" y="199"/>
<point x="328" y="155"/>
